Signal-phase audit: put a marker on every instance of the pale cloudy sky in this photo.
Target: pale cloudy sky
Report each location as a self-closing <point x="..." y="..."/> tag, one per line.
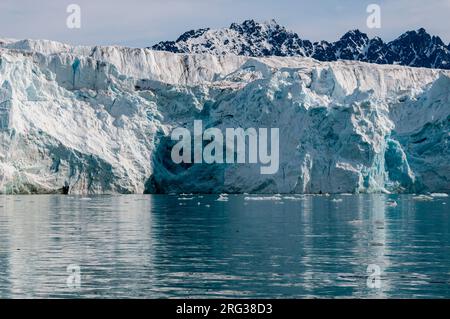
<point x="144" y="22"/>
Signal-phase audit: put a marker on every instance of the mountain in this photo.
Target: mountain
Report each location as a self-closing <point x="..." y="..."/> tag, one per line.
<point x="249" y="39"/>
<point x="99" y="119"/>
<point x="418" y="48"/>
<point x="414" y="48"/>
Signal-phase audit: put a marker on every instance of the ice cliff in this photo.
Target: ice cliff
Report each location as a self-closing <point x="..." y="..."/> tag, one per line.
<point x="98" y="119"/>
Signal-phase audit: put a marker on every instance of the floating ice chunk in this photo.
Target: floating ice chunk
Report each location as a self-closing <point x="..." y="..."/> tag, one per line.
<point x="260" y="198"/>
<point x="185" y="198"/>
<point x="293" y="198"/>
<point x="223" y="198"/>
<point x="391" y="203"/>
<point x="439" y="195"/>
<point x="423" y="197"/>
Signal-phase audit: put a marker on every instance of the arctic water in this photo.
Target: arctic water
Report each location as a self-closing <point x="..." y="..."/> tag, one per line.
<point x="243" y="246"/>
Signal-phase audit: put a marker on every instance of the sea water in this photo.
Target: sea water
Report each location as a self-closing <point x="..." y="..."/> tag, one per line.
<point x="241" y="246"/>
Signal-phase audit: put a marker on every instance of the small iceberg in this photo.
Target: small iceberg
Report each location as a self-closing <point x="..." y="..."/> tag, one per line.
<point x="185" y="198"/>
<point x="261" y="198"/>
<point x="222" y="198"/>
<point x="423" y="197"/>
<point x="434" y="195"/>
<point x="293" y="198"/>
<point x="391" y="203"/>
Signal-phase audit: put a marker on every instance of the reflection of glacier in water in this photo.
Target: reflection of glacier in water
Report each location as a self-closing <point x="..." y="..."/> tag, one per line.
<point x="163" y="246"/>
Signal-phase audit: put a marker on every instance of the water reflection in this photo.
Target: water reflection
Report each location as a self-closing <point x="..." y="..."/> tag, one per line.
<point x="166" y="246"/>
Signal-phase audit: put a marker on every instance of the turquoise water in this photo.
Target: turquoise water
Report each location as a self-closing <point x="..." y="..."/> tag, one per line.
<point x="164" y="246"/>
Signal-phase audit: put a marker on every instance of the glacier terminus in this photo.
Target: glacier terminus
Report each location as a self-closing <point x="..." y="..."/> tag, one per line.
<point x="98" y="120"/>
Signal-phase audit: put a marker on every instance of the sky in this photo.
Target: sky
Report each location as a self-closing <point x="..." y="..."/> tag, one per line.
<point x="142" y="23"/>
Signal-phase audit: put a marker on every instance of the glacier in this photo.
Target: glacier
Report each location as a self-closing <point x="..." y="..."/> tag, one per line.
<point x="98" y="119"/>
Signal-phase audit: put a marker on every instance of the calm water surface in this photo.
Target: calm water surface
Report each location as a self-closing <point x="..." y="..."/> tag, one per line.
<point x="167" y="246"/>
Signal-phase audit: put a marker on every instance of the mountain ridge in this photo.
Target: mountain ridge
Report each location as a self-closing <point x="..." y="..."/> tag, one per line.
<point x="413" y="48"/>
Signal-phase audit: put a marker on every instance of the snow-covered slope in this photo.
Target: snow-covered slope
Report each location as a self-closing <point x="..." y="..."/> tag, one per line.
<point x="99" y="119"/>
<point x="251" y="38"/>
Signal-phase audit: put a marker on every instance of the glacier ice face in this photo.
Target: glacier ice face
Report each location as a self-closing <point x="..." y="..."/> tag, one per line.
<point x="99" y="120"/>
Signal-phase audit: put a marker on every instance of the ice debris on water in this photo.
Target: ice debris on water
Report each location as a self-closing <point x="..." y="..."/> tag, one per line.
<point x="423" y="198"/>
<point x="292" y="198"/>
<point x="223" y="198"/>
<point x="185" y="198"/>
<point x="391" y="203"/>
<point x="439" y="195"/>
<point x="263" y="198"/>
